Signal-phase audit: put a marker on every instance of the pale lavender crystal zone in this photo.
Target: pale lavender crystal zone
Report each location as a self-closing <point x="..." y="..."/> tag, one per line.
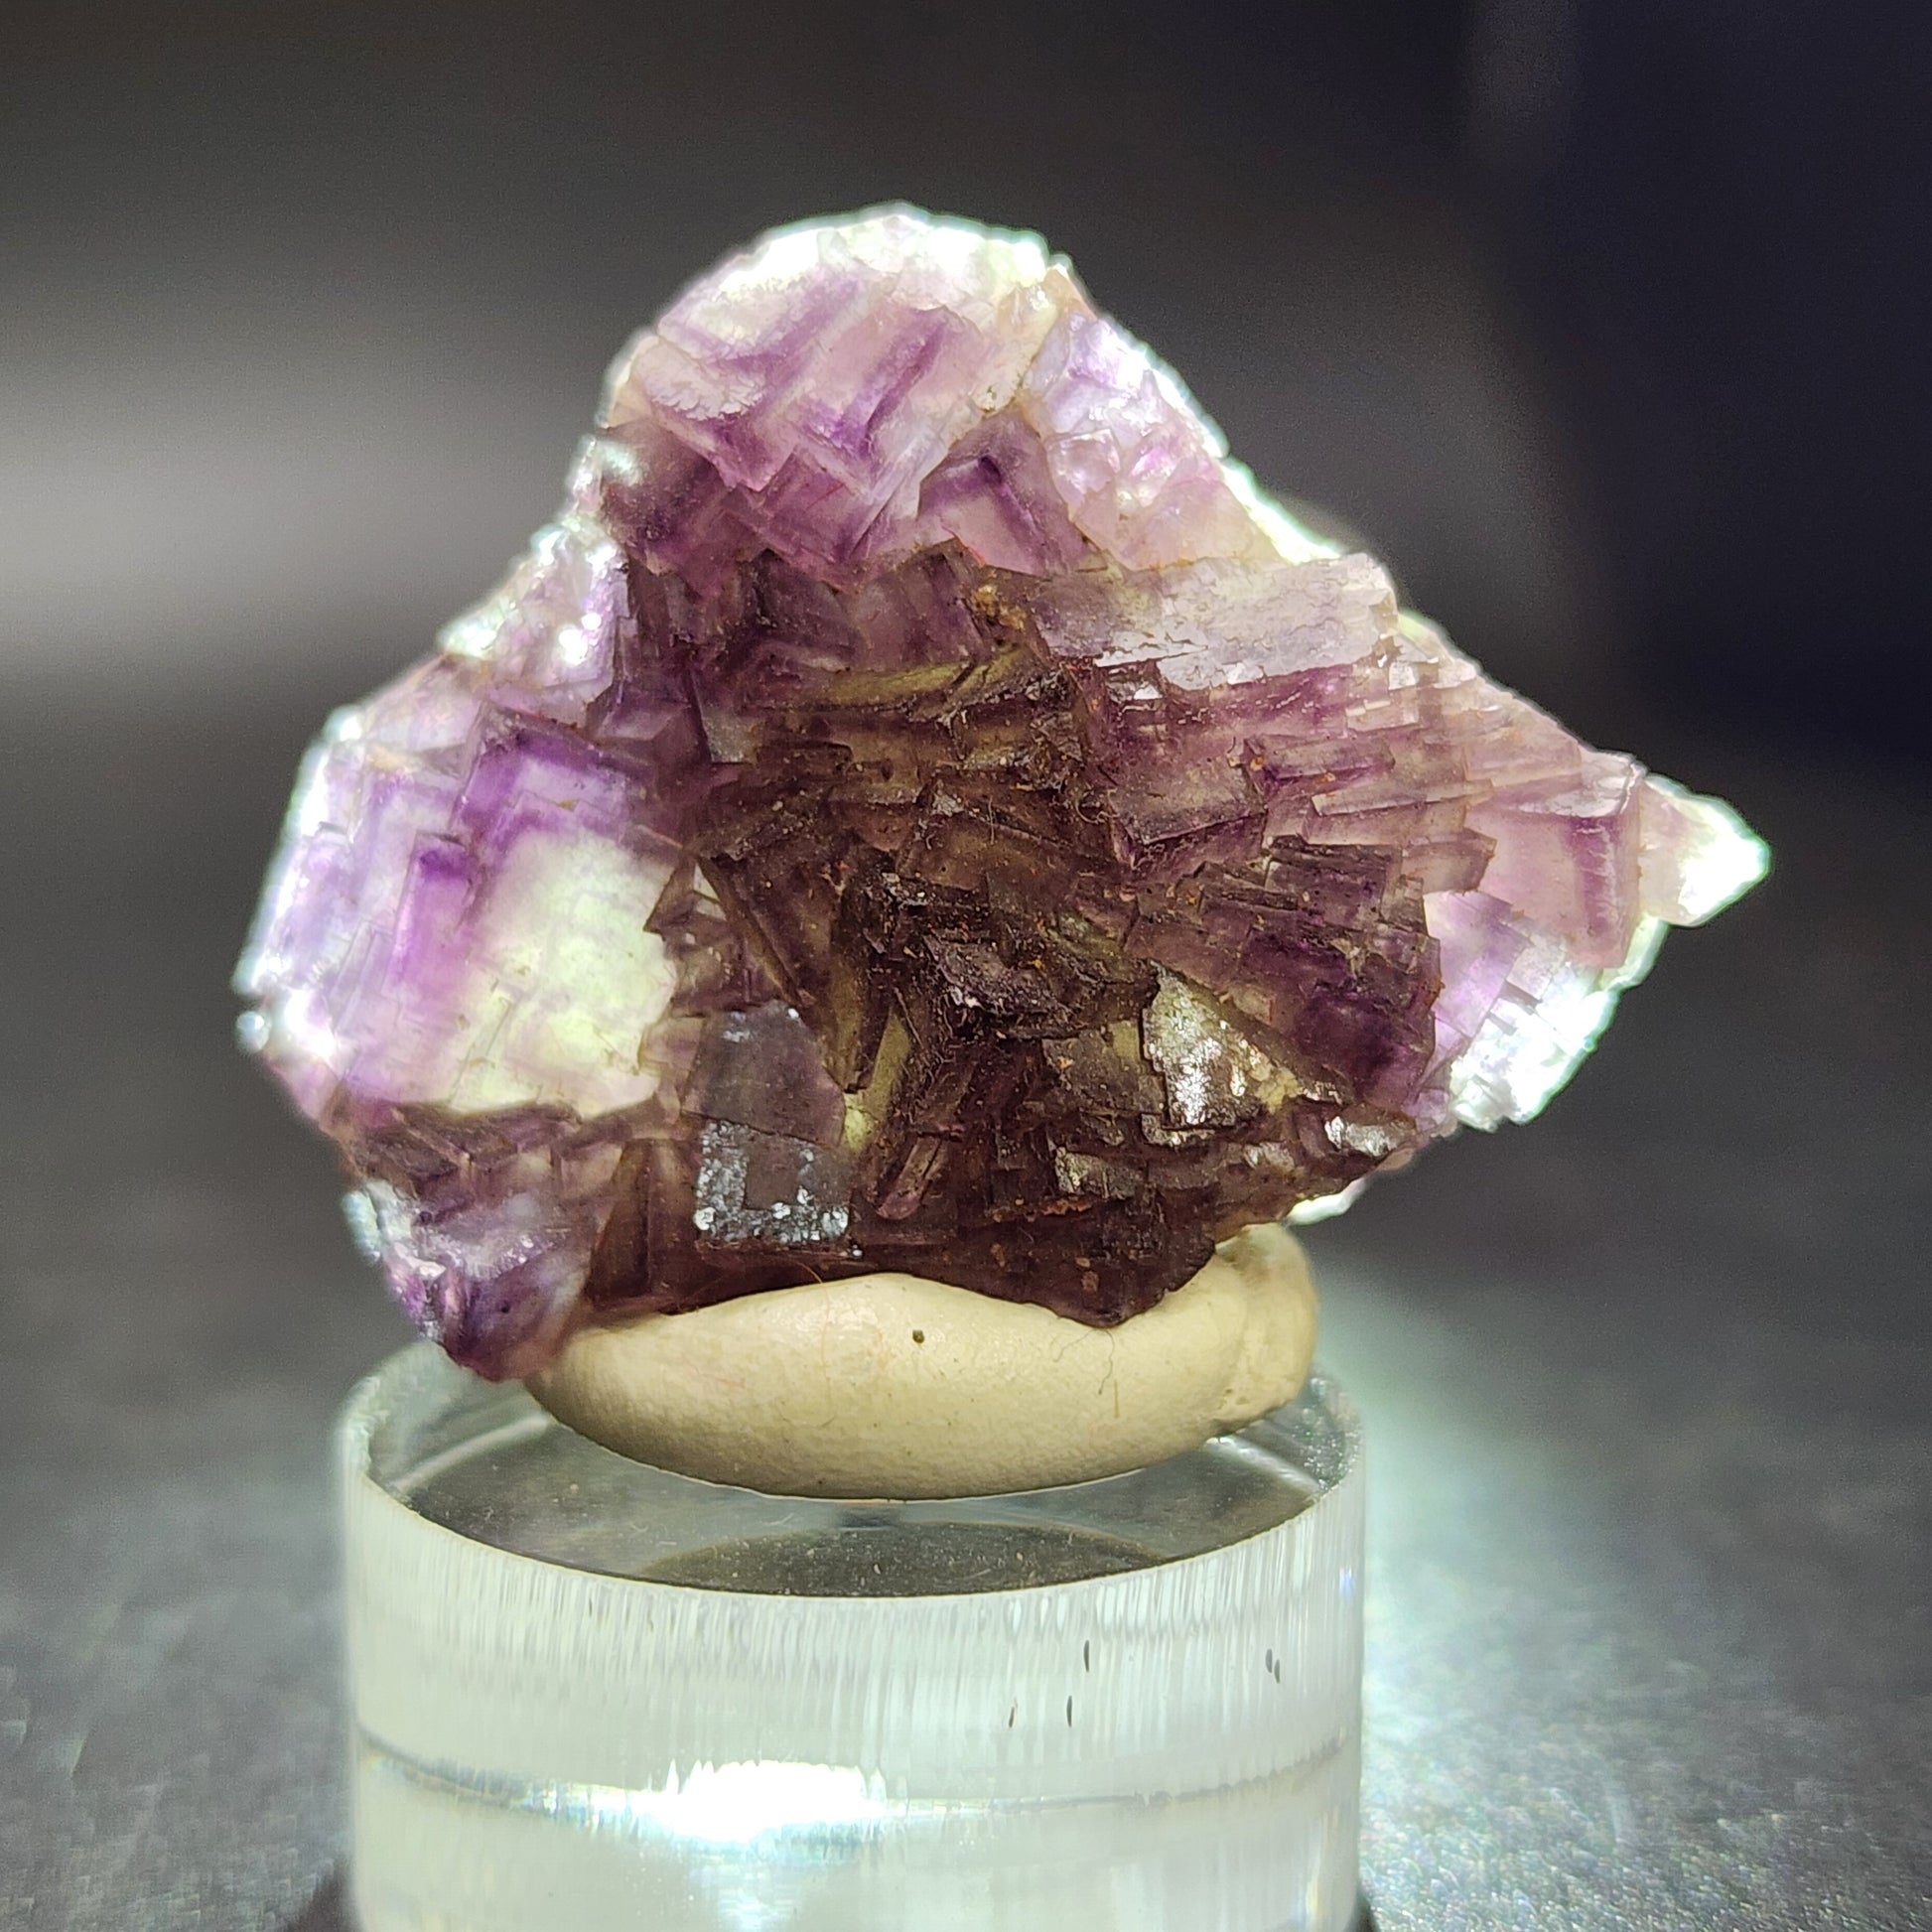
<point x="920" y="806"/>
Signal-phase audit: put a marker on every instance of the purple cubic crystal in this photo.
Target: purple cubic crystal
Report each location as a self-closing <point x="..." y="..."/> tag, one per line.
<point x="919" y="807"/>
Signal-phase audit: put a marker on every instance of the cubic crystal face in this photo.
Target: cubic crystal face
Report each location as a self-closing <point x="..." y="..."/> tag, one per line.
<point x="919" y="807"/>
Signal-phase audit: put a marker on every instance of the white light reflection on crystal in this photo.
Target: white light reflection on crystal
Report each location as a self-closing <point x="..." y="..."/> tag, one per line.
<point x="1537" y="1035"/>
<point x="1325" y="1207"/>
<point x="1722" y="858"/>
<point x="364" y="1220"/>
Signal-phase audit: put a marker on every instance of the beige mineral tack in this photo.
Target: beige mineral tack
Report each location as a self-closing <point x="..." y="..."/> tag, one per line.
<point x="890" y="1385"/>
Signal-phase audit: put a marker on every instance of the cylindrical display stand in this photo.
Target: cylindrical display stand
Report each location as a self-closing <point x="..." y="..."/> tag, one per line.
<point x="593" y="1695"/>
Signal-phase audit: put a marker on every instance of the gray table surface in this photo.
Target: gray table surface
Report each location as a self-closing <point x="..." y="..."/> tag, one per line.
<point x="1646" y="1387"/>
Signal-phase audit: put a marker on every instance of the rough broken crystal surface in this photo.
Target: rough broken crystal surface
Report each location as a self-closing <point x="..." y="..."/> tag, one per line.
<point x="919" y="807"/>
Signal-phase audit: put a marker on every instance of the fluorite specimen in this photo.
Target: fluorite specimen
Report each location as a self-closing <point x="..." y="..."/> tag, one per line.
<point x="919" y="807"/>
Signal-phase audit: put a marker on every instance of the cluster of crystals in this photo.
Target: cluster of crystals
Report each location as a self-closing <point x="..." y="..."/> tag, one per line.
<point x="919" y="806"/>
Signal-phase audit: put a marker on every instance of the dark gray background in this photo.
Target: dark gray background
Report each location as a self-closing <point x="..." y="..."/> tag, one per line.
<point x="1604" y="321"/>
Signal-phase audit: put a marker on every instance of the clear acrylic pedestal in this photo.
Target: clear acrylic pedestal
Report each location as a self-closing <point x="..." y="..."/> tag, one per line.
<point x="590" y="1695"/>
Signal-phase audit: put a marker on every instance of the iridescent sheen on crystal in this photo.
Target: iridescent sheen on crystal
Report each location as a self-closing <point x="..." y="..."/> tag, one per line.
<point x="919" y="807"/>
